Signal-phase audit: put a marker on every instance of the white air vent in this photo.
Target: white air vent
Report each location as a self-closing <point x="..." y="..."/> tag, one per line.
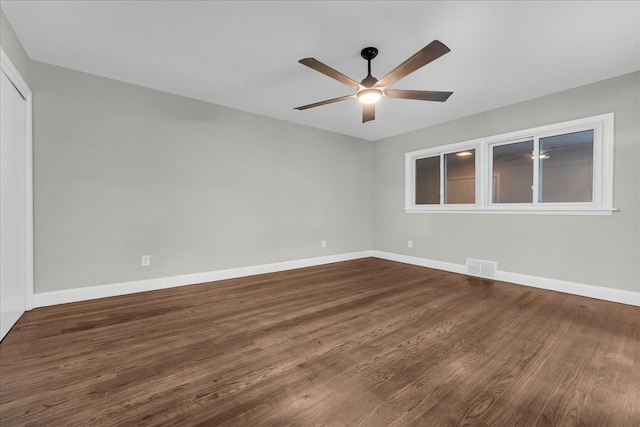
<point x="474" y="266"/>
<point x="477" y="267"/>
<point x="488" y="268"/>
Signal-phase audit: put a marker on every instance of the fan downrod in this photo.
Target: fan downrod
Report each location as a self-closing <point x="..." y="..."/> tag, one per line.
<point x="369" y="53"/>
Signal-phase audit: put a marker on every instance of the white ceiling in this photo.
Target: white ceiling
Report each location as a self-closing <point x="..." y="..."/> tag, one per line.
<point x="244" y="54"/>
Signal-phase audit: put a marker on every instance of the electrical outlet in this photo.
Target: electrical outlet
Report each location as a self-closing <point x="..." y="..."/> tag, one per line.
<point x="324" y="243"/>
<point x="409" y="243"/>
<point x="146" y="260"/>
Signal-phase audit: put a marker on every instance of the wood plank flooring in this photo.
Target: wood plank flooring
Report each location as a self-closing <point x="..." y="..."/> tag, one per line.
<point x="366" y="342"/>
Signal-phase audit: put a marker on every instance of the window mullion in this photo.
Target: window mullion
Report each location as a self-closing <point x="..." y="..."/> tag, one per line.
<point x="597" y="170"/>
<point x="413" y="188"/>
<point x="535" y="195"/>
<point x="442" y="176"/>
<point x="486" y="175"/>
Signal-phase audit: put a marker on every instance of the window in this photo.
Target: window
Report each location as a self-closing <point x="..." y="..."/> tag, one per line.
<point x="564" y="168"/>
<point x="428" y="181"/>
<point x="460" y="172"/>
<point x="452" y="184"/>
<point x="445" y="178"/>
<point x="512" y="173"/>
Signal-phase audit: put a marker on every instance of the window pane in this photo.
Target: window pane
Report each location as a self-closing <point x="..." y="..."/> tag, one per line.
<point x="460" y="173"/>
<point x="513" y="173"/>
<point x="428" y="181"/>
<point x="566" y="167"/>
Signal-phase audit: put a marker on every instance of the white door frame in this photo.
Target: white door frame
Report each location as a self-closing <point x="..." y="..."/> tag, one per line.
<point x="12" y="73"/>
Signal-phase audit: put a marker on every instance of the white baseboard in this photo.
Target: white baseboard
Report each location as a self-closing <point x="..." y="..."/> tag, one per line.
<point x="422" y="262"/>
<point x="102" y="291"/>
<point x="591" y="291"/>
<point x="43" y="299"/>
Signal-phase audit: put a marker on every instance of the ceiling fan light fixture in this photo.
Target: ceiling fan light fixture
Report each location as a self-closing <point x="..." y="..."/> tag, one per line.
<point x="369" y="96"/>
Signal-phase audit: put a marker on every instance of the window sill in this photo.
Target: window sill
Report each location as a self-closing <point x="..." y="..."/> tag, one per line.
<point x="507" y="211"/>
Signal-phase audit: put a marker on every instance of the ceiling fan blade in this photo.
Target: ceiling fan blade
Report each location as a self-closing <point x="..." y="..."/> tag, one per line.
<point x="328" y="71"/>
<point x="422" y="95"/>
<point x="368" y="112"/>
<point x="325" y="102"/>
<point x="430" y="52"/>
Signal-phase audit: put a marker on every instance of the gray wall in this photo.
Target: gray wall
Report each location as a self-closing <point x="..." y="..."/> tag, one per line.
<point x="601" y="250"/>
<point x="13" y="48"/>
<point x="122" y="171"/>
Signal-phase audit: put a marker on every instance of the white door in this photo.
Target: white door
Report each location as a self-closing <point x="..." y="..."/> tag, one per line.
<point x="12" y="205"/>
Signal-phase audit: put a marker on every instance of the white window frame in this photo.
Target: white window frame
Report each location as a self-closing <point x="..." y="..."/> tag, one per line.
<point x="442" y="151"/>
<point x="603" y="157"/>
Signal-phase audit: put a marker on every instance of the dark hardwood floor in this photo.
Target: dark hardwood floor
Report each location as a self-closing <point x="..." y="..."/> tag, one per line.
<point x="366" y="342"/>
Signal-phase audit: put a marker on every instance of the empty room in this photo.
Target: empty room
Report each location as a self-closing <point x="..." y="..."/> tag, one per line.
<point x="320" y="213"/>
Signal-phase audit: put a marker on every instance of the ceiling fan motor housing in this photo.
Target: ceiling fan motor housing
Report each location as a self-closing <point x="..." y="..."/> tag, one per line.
<point x="369" y="81"/>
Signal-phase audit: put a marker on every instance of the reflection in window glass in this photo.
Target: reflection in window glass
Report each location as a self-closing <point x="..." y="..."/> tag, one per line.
<point x="513" y="173"/>
<point x="566" y="168"/>
<point x="428" y="181"/>
<point x="460" y="177"/>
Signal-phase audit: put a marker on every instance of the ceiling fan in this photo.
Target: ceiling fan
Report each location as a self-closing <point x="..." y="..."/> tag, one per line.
<point x="370" y="90"/>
